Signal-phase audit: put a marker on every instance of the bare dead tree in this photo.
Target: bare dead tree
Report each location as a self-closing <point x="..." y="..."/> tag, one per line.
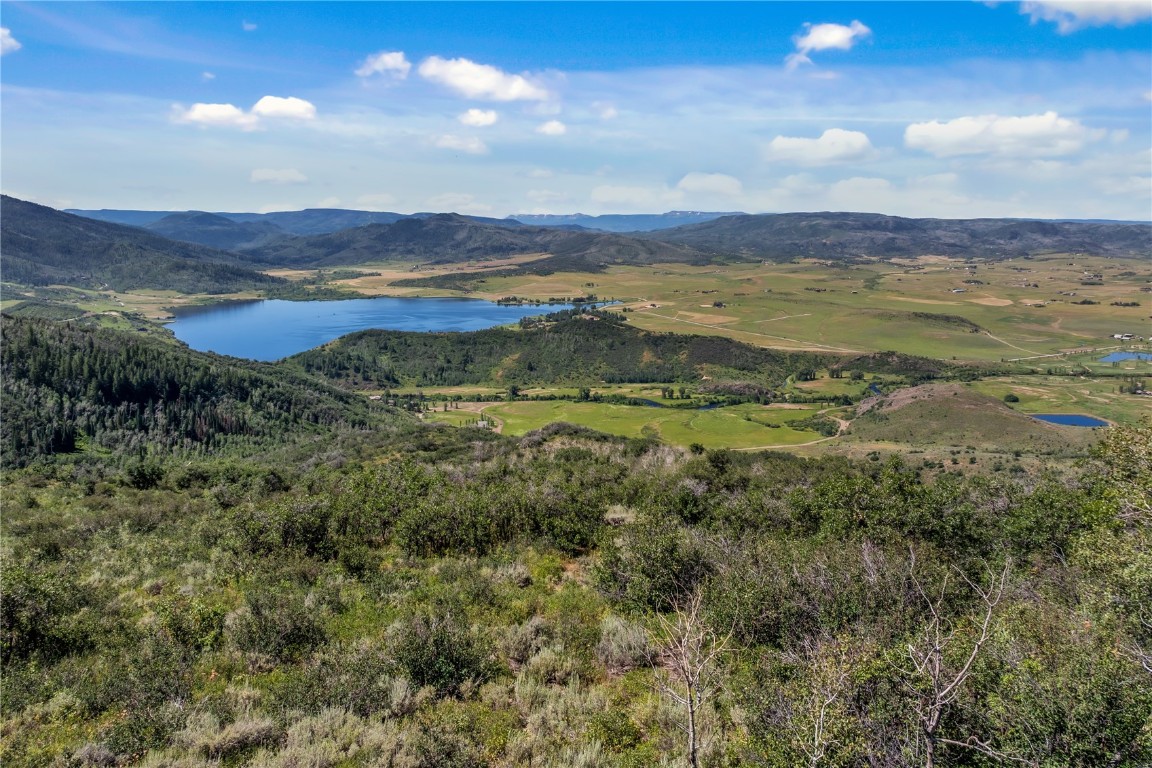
<point x="689" y="650"/>
<point x="817" y="722"/>
<point x="934" y="680"/>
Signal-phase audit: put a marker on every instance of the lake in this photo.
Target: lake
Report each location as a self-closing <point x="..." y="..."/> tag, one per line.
<point x="1117" y="357"/>
<point x="271" y="329"/>
<point x="1071" y="419"/>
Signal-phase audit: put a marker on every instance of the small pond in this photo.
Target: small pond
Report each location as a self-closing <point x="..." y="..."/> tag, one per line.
<point x="271" y="329"/>
<point x="1071" y="419"/>
<point x="1117" y="357"/>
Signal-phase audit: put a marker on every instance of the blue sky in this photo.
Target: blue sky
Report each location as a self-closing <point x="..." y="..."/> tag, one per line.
<point x="948" y="109"/>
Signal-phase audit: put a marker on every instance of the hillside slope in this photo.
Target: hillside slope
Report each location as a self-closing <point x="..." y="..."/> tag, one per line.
<point x="785" y="236"/>
<point x="451" y="238"/>
<point x="67" y="387"/>
<point x="575" y="348"/>
<point x="215" y="231"/>
<point x="952" y="414"/>
<point x="43" y="246"/>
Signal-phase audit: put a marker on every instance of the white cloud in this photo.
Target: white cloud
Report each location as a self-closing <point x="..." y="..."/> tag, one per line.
<point x="480" y="81"/>
<point x="231" y="116"/>
<point x="248" y="26"/>
<point x="823" y="37"/>
<point x="468" y="144"/>
<point x="1028" y="136"/>
<point x="216" y="115"/>
<point x="711" y="183"/>
<point x="8" y="44"/>
<point x="392" y="63"/>
<point x="478" y="118"/>
<point x="289" y="107"/>
<point x="206" y="76"/>
<point x="540" y="173"/>
<point x="1071" y="15"/>
<point x="634" y="198"/>
<point x="835" y="145"/>
<point x="552" y="128"/>
<point x="277" y="176"/>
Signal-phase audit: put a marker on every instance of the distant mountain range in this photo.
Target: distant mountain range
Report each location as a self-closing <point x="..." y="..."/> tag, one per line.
<point x="450" y="238"/>
<point x="637" y="222"/>
<point x="43" y="246"/>
<point x="785" y="236"/>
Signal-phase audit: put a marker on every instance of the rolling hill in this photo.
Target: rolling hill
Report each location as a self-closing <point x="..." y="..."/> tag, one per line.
<point x="451" y="238"/>
<point x="215" y="231"/>
<point x="43" y="246"/>
<point x="786" y="236"/>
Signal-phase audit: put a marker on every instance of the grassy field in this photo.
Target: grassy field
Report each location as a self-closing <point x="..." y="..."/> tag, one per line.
<point x="1069" y="394"/>
<point x="932" y="306"/>
<point x="742" y="426"/>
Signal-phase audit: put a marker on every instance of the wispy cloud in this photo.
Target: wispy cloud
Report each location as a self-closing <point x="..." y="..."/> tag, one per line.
<point x="1072" y="15"/>
<point x="277" y="176"/>
<point x="467" y="144"/>
<point x="248" y="26"/>
<point x="481" y="81"/>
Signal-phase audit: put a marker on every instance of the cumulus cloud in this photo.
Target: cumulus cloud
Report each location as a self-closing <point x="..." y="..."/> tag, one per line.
<point x="711" y="183"/>
<point x="479" y="118"/>
<point x="391" y="63"/>
<point x="823" y="37"/>
<point x="281" y="106"/>
<point x="1029" y="136"/>
<point x="480" y="81"/>
<point x="835" y="145"/>
<point x="8" y="44"/>
<point x="277" y="176"/>
<point x="231" y="116"/>
<point x="216" y="115"/>
<point x="1071" y="15"/>
<point x="552" y="128"/>
<point x="468" y="144"/>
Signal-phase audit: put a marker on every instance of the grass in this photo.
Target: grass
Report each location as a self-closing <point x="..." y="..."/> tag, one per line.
<point x="740" y="426"/>
<point x="1023" y="307"/>
<point x="1069" y="394"/>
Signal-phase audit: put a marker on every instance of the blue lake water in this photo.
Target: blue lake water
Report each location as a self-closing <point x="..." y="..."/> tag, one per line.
<point x="1117" y="357"/>
<point x="1070" y="419"/>
<point x="272" y="329"/>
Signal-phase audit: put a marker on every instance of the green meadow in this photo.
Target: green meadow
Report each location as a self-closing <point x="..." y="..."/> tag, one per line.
<point x="740" y="426"/>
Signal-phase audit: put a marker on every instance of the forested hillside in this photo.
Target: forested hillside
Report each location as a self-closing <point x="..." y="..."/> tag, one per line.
<point x="69" y="388"/>
<point x="575" y="347"/>
<point x="828" y="235"/>
<point x="42" y="246"/>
